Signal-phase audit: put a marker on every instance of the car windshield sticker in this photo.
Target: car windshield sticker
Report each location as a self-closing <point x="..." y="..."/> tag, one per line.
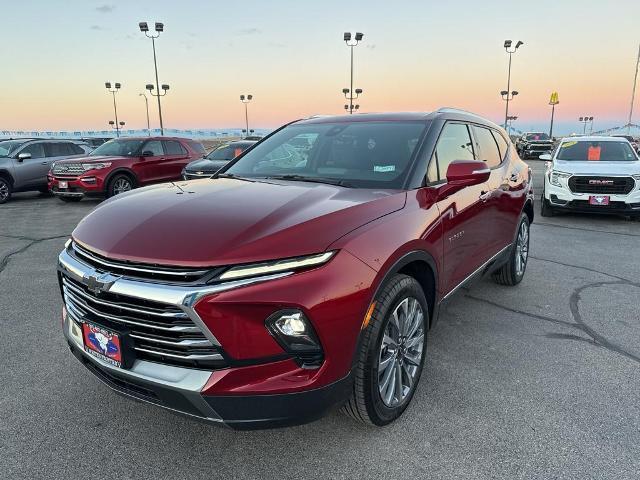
<point x="568" y="144"/>
<point x="384" y="168"/>
<point x="593" y="154"/>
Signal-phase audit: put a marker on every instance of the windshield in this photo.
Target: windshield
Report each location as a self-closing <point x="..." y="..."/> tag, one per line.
<point x="537" y="136"/>
<point x="359" y="154"/>
<point x="226" y="152"/>
<point x="580" y="151"/>
<point x="9" y="146"/>
<point x="119" y="148"/>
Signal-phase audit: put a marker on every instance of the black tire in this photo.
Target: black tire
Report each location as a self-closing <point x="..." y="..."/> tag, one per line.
<point x="5" y="190"/>
<point x="366" y="403"/>
<point x="115" y="183"/>
<point x="70" y="199"/>
<point x="45" y="192"/>
<point x="546" y="210"/>
<point x="510" y="273"/>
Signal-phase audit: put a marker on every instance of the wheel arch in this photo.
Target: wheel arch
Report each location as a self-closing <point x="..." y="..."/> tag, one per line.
<point x="121" y="170"/>
<point x="528" y="209"/>
<point x="7" y="175"/>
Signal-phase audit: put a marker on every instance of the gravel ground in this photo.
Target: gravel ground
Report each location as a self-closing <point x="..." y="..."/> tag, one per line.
<point x="538" y="381"/>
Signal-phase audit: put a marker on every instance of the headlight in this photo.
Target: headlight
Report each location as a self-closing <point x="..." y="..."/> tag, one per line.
<point x="290" y="264"/>
<point x="636" y="177"/>
<point x="556" y="177"/>
<point x="95" y="166"/>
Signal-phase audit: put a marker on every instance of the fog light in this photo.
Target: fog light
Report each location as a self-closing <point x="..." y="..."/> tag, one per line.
<point x="295" y="334"/>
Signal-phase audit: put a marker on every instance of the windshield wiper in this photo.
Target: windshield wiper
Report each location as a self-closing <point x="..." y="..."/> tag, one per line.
<point x="230" y="175"/>
<point x="302" y="178"/>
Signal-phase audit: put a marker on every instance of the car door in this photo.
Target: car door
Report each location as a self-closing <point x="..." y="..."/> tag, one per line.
<point x="500" y="224"/>
<point x="176" y="158"/>
<point x="31" y="172"/>
<point x="151" y="164"/>
<point x="463" y="213"/>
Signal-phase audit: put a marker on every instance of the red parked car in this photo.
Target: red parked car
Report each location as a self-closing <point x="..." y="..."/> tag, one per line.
<point x="297" y="280"/>
<point x="122" y="164"/>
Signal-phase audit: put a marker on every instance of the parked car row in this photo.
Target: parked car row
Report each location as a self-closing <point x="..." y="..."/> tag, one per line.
<point x="73" y="169"/>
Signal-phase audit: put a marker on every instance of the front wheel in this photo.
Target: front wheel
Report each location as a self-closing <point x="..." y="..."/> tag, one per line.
<point x="546" y="210"/>
<point x="5" y="190"/>
<point x="512" y="272"/>
<point x="391" y="355"/>
<point x="119" y="184"/>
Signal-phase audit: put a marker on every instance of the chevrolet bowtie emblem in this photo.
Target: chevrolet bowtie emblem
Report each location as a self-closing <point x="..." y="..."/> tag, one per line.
<point x="99" y="282"/>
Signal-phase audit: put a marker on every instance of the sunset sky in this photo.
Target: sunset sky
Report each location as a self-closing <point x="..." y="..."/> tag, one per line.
<point x="416" y="56"/>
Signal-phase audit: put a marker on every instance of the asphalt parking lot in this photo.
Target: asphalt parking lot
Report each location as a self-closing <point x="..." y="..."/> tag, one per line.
<point x="537" y="381"/>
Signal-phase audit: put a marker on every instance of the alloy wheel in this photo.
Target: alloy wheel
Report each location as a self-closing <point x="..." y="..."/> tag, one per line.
<point x="522" y="248"/>
<point x="122" y="185"/>
<point x="401" y="352"/>
<point x="4" y="191"/>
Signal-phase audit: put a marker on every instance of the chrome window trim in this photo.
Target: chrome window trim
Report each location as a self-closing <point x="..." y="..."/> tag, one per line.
<point x="183" y="297"/>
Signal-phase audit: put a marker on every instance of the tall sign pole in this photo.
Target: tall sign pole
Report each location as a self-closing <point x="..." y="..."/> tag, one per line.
<point x="553" y="101"/>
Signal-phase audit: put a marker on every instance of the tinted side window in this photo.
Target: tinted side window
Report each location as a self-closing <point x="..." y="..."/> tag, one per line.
<point x="503" y="146"/>
<point x="155" y="147"/>
<point x="488" y="147"/>
<point x="454" y="144"/>
<point x="174" y="148"/>
<point x="76" y="149"/>
<point x="197" y="147"/>
<point x="35" y="149"/>
<point x="59" y="149"/>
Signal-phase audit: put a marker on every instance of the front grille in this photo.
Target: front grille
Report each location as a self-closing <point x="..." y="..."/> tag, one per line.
<point x="144" y="271"/>
<point x="540" y="147"/>
<point x="68" y="169"/>
<point x="601" y="185"/>
<point x="196" y="176"/>
<point x="160" y="332"/>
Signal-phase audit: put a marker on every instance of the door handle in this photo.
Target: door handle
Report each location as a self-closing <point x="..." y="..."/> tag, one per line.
<point x="514" y="177"/>
<point x="44" y="163"/>
<point x="485" y="195"/>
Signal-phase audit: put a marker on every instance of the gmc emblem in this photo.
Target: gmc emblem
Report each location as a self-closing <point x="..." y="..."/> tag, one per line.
<point x="600" y="182"/>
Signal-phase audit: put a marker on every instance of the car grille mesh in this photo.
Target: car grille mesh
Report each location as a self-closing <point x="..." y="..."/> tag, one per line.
<point x="68" y="169"/>
<point x="601" y="185"/>
<point x="159" y="332"/>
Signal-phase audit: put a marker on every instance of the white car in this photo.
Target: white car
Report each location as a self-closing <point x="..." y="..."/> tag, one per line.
<point x="592" y="174"/>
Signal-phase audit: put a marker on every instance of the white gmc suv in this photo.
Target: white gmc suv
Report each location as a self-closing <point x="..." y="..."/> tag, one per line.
<point x="592" y="174"/>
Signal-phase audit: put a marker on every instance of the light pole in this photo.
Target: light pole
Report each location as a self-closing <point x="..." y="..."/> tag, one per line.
<point x="351" y="97"/>
<point x="165" y="89"/>
<point x="510" y="120"/>
<point x="146" y="104"/>
<point x="351" y="107"/>
<point x="633" y="92"/>
<point x="352" y="43"/>
<point x="246" y="99"/>
<point x="159" y="27"/>
<point x="114" y="90"/>
<point x="510" y="51"/>
<point x="117" y="126"/>
<point x="507" y="96"/>
<point x="584" y="121"/>
<point x="553" y="101"/>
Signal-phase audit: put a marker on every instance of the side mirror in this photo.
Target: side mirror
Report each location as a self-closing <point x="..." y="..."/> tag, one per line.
<point x="23" y="156"/>
<point x="147" y="153"/>
<point x="464" y="173"/>
<point x="545" y="156"/>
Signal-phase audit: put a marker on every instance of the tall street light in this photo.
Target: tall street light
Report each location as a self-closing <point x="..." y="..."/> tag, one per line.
<point x="146" y="104"/>
<point x="351" y="97"/>
<point x="511" y="119"/>
<point x="246" y="99"/>
<point x="114" y="90"/>
<point x="352" y="43"/>
<point x="584" y="121"/>
<point x="165" y="88"/>
<point x="117" y="126"/>
<point x="508" y="96"/>
<point x="159" y="27"/>
<point x="510" y="51"/>
<point x="553" y="101"/>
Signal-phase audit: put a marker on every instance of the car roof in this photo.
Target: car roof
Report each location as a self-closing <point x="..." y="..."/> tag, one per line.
<point x="240" y="142"/>
<point x="593" y="138"/>
<point x="447" y="113"/>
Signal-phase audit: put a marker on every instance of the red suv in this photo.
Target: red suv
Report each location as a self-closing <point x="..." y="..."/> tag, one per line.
<point x="119" y="165"/>
<point x="298" y="279"/>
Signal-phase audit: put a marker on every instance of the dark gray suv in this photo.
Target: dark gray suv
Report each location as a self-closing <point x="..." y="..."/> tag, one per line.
<point x="25" y="162"/>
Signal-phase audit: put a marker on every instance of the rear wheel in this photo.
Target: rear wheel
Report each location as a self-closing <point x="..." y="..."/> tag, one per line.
<point x="5" y="190"/>
<point x="391" y="355"/>
<point x="512" y="272"/>
<point x="120" y="183"/>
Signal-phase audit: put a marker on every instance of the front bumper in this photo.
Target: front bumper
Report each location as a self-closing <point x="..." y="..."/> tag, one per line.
<point x="179" y="390"/>
<point x="536" y="150"/>
<point x="85" y="185"/>
<point x="561" y="198"/>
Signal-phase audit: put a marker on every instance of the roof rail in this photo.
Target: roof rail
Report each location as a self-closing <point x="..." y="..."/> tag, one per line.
<point x="455" y="110"/>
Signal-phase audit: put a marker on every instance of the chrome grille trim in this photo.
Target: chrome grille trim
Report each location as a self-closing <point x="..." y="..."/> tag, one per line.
<point x="186" y="342"/>
<point x="68" y="169"/>
<point x="91" y="257"/>
<point x="77" y="291"/>
<point x="188" y="356"/>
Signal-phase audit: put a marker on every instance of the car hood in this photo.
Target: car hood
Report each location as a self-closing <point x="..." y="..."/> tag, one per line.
<point x="206" y="165"/>
<point x="92" y="159"/>
<point x="598" y="168"/>
<point x="229" y="221"/>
